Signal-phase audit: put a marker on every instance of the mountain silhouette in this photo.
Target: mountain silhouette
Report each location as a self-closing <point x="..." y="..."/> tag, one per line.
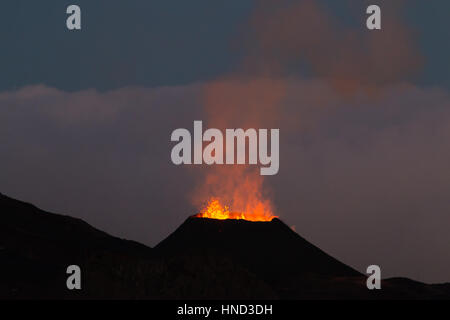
<point x="270" y="249"/>
<point x="36" y="247"/>
<point x="202" y="259"/>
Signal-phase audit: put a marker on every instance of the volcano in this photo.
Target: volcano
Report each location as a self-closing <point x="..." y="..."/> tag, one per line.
<point x="203" y="259"/>
<point x="270" y="249"/>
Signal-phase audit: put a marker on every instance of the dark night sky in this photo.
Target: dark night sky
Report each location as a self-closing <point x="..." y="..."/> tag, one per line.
<point x="86" y="117"/>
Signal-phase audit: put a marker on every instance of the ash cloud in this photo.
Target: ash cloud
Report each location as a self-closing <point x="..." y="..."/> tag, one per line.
<point x="285" y="37"/>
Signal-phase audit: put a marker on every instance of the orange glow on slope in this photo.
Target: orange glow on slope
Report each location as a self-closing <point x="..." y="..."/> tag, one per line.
<point x="215" y="210"/>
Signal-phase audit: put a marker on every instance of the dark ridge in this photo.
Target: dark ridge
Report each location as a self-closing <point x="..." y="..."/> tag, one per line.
<point x="34" y="224"/>
<point x="202" y="259"/>
<point x="36" y="247"/>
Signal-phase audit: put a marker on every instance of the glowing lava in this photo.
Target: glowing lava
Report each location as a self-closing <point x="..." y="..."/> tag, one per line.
<point x="215" y="210"/>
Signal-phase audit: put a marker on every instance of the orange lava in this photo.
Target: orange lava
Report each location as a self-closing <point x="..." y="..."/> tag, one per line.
<point x="215" y="210"/>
